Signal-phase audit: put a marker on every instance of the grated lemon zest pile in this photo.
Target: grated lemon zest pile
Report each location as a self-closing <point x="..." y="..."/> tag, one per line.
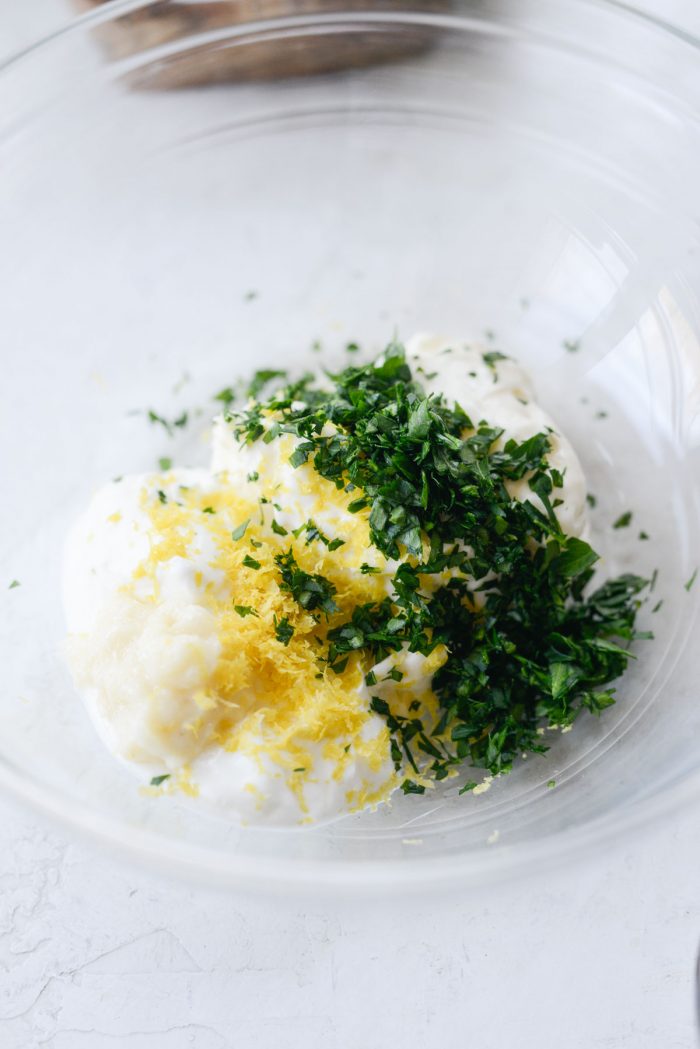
<point x="265" y="699"/>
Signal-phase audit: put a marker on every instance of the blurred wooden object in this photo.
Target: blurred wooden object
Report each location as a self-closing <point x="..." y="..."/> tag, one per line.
<point x="168" y="21"/>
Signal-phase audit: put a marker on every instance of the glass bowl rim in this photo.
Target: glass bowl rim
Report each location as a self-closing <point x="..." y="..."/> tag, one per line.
<point x="197" y="863"/>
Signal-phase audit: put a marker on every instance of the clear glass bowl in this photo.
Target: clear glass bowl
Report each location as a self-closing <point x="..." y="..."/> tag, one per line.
<point x="528" y="168"/>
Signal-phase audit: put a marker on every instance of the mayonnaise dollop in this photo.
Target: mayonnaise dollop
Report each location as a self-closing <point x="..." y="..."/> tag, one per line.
<point x="175" y="659"/>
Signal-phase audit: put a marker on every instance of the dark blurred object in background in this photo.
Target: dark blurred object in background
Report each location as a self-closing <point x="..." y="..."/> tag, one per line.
<point x="163" y="23"/>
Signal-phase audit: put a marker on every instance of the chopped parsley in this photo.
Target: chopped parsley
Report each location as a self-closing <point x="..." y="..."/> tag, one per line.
<point x="239" y="532"/>
<point x="688" y="586"/>
<point x="250" y="562"/>
<point x="623" y="520"/>
<point x="283" y="631"/>
<point x="157" y="780"/>
<point x="591" y="500"/>
<point x="245" y="610"/>
<point x="165" y="464"/>
<point x="262" y="378"/>
<point x="14" y="584"/>
<point x="529" y="642"/>
<point x="643" y="535"/>
<point x="310" y="591"/>
<point x="162" y="496"/>
<point x="168" y="425"/>
<point x="493" y="356"/>
<point x="571" y="345"/>
<point x="226" y="396"/>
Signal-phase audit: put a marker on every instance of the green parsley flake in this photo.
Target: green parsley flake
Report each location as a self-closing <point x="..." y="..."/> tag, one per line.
<point x="245" y="610"/>
<point x="283" y="631"/>
<point x="623" y="520"/>
<point x="239" y="532"/>
<point x="165" y="464"/>
<point x="14" y="584"/>
<point x="226" y="396"/>
<point x="168" y="425"/>
<point x="156" y="781"/>
<point x="689" y="584"/>
<point x="250" y="562"/>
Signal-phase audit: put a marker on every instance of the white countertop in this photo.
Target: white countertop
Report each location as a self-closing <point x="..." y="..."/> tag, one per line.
<point x="94" y="954"/>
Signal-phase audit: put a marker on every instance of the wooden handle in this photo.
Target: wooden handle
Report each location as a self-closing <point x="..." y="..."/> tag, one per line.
<point x="167" y="21"/>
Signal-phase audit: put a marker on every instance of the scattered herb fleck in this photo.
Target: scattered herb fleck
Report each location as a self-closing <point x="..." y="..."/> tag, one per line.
<point x="311" y="591"/>
<point x="168" y="425"/>
<point x="14" y="584"/>
<point x="261" y="378"/>
<point x="157" y="780"/>
<point x="689" y="584"/>
<point x="239" y="532"/>
<point x="245" y="610"/>
<point x="623" y="520"/>
<point x="165" y="464"/>
<point x="250" y="562"/>
<point x="226" y="396"/>
<point x="571" y="345"/>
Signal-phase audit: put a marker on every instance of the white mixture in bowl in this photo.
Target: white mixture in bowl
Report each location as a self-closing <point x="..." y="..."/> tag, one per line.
<point x="179" y="630"/>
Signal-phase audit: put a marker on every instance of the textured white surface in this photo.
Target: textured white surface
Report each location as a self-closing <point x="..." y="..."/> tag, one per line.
<point x="95" y="955"/>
